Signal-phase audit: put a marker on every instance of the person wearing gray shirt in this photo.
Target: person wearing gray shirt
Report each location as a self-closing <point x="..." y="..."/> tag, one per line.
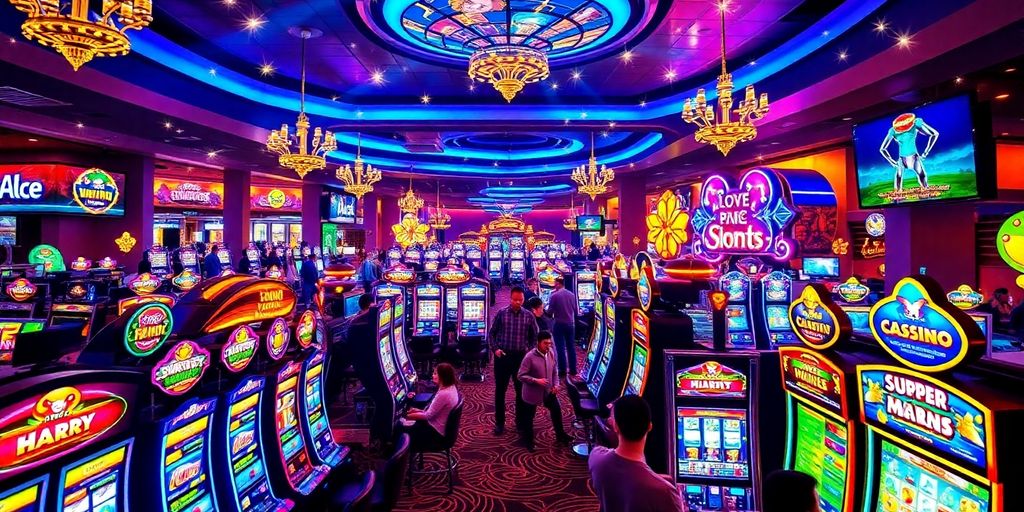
<point x="621" y="477"/>
<point x="562" y="307"/>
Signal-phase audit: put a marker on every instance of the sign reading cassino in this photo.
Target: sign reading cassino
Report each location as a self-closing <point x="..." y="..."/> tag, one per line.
<point x="919" y="327"/>
<point x="816" y="320"/>
<point x="61" y="189"/>
<point x="749" y="219"/>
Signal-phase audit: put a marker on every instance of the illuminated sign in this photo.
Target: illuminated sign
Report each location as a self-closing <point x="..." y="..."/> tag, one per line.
<point x="711" y="379"/>
<point x="181" y="368"/>
<point x="187" y="194"/>
<point x="77" y="291"/>
<point x="260" y="299"/>
<point x="147" y="329"/>
<point x="277" y="339"/>
<point x="57" y="422"/>
<point x="341" y="208"/>
<point x="61" y="189"/>
<point x="812" y="376"/>
<point x="127" y="303"/>
<point x="305" y="329"/>
<point x="21" y="289"/>
<point x="108" y="263"/>
<point x="9" y="331"/>
<point x="547" y="276"/>
<point x="964" y="297"/>
<point x="239" y="349"/>
<point x="48" y="256"/>
<point x="749" y="219"/>
<point x="875" y="224"/>
<point x="452" y="275"/>
<point x="96" y="191"/>
<point x="926" y="412"/>
<point x="613" y="285"/>
<point x="186" y="280"/>
<point x="275" y="198"/>
<point x="816" y="320"/>
<point x="919" y="327"/>
<point x="852" y="291"/>
<point x="144" y="283"/>
<point x="400" y="274"/>
<point x="81" y="264"/>
<point x="274" y="272"/>
<point x="872" y="248"/>
<point x="646" y="288"/>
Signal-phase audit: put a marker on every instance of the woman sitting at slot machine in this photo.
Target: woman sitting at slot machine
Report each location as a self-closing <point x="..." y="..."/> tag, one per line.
<point x="426" y="427"/>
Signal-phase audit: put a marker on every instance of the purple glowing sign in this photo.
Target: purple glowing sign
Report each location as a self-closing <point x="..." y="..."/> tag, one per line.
<point x="749" y="219"/>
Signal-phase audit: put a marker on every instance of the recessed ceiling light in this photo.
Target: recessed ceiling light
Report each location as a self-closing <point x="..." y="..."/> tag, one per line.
<point x="627" y="56"/>
<point x="267" y="69"/>
<point x="1009" y="70"/>
<point x="1002" y="96"/>
<point x="33" y="140"/>
<point x="554" y="86"/>
<point x="670" y="75"/>
<point x="847" y="119"/>
<point x="425" y="99"/>
<point x="576" y="75"/>
<point x="213" y="72"/>
<point x="643" y="103"/>
<point x="903" y="41"/>
<point x="843" y="55"/>
<point x="881" y="26"/>
<point x="211" y="154"/>
<point x="168" y="125"/>
<point x="254" y="23"/>
<point x="775" y="143"/>
<point x="958" y="80"/>
<point x="611" y="125"/>
<point x="334" y="97"/>
<point x="377" y="77"/>
<point x="583" y="115"/>
<point x="229" y="2"/>
<point x="179" y="131"/>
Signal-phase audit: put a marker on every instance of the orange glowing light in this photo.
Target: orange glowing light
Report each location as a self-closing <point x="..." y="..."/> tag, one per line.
<point x="718" y="300"/>
<point x="262" y="300"/>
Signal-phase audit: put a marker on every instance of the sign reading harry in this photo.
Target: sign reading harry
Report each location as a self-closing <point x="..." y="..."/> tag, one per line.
<point x="749" y="219"/>
<point x="818" y="321"/>
<point x="919" y="327"/>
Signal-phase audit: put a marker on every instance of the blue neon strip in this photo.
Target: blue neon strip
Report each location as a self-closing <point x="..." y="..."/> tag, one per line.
<point x="483" y="154"/>
<point x="163" y="51"/>
<point x="491" y="191"/>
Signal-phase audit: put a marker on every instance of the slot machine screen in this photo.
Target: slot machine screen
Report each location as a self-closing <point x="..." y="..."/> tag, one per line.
<point x="606" y="353"/>
<point x="252" y="254"/>
<point x="186" y="477"/>
<point x="778" y="317"/>
<point x="28" y="497"/>
<point x="638" y="372"/>
<point x="351" y="305"/>
<point x="319" y="429"/>
<point x="158" y="259"/>
<point x="429" y="310"/>
<point x="712" y="443"/>
<point x="94" y="484"/>
<point x="545" y="295"/>
<point x="736" y="318"/>
<point x="452" y="308"/>
<point x="517" y="266"/>
<point x="595" y="340"/>
<point x="859" y="321"/>
<point x="402" y="352"/>
<point x="188" y="258"/>
<point x="224" y="256"/>
<point x="585" y="296"/>
<point x="387" y="363"/>
<point x="286" y="418"/>
<point x="248" y="465"/>
<point x="910" y="482"/>
<point x="494" y="265"/>
<point x="821" y="450"/>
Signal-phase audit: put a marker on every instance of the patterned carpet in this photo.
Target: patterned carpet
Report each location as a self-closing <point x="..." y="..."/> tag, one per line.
<point x="494" y="472"/>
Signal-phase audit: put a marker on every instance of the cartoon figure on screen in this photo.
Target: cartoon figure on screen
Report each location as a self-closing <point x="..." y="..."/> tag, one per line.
<point x="476" y="6"/>
<point x="904" y="131"/>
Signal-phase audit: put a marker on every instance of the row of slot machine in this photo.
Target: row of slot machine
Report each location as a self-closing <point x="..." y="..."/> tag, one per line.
<point x="160" y="259"/>
<point x="214" y="404"/>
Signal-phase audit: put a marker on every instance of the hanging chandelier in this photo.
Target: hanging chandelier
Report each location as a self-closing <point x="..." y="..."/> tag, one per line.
<point x="508" y="67"/>
<point x="309" y="157"/>
<point x="569" y="223"/>
<point x="357" y="178"/>
<point x="410" y="203"/>
<point x="590" y="181"/>
<point x="724" y="133"/>
<point x="65" y="25"/>
<point x="439" y="219"/>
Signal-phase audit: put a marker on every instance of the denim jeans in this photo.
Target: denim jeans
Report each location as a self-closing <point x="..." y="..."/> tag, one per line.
<point x="565" y="345"/>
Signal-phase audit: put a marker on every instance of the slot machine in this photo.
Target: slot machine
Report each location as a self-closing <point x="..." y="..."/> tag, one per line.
<point x="537" y="259"/>
<point x="459" y="250"/>
<point x="160" y="261"/>
<point x="473" y="310"/>
<point x="546" y="283"/>
<point x="474" y="255"/>
<point x="414" y="255"/>
<point x="79" y="303"/>
<point x="431" y="259"/>
<point x="595" y="344"/>
<point x="738" y="311"/>
<point x="224" y="256"/>
<point x="253" y="254"/>
<point x="495" y="263"/>
<point x="517" y="265"/>
<point x="451" y="278"/>
<point x="397" y="281"/>
<point x="427" y="308"/>
<point x="394" y="256"/>
<point x="399" y="348"/>
<point x="189" y="258"/>
<point x="24" y="299"/>
<point x="941" y="433"/>
<point x="318" y="434"/>
<point x="376" y="368"/>
<point x="773" y="327"/>
<point x="296" y="261"/>
<point x="611" y="367"/>
<point x="294" y="468"/>
<point x="586" y="290"/>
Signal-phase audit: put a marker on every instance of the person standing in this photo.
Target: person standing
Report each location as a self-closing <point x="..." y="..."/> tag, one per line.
<point x="513" y="332"/>
<point x="620" y="476"/>
<point x="562" y="307"/>
<point x="538" y="375"/>
<point x="536" y="306"/>
<point x="309" y="276"/>
<point x="211" y="263"/>
<point x="368" y="273"/>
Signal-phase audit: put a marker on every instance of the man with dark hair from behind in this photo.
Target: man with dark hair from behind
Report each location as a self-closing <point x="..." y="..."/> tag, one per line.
<point x="365" y="301"/>
<point x="789" y="491"/>
<point x="621" y="477"/>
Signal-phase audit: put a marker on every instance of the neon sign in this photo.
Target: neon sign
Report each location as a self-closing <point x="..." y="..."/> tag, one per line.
<point x="874" y="224"/>
<point x="21" y="289"/>
<point x="400" y="274"/>
<point x="852" y="291"/>
<point x="81" y="264"/>
<point x="144" y="283"/>
<point x="816" y="320"/>
<point x="452" y="275"/>
<point x="964" y="297"/>
<point x="711" y="379"/>
<point x="919" y="327"/>
<point x="277" y="339"/>
<point x="749" y="219"/>
<point x="108" y="264"/>
<point x="128" y="302"/>
<point x="50" y="425"/>
<point x="96" y="191"/>
<point x="186" y="280"/>
<point x="240" y="349"/>
<point x="181" y="368"/>
<point x="872" y="248"/>
<point x="148" y="328"/>
<point x="924" y="409"/>
<point x="260" y="299"/>
<point x="305" y="329"/>
<point x="807" y="374"/>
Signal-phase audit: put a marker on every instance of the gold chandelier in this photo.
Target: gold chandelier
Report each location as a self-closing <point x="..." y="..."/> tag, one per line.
<point x="439" y="220"/>
<point x="65" y="26"/>
<point x="724" y="133"/>
<point x="591" y="181"/>
<point x="308" y="158"/>
<point x="358" y="179"/>
<point x="569" y="223"/>
<point x="410" y="203"/>
<point x="508" y="67"/>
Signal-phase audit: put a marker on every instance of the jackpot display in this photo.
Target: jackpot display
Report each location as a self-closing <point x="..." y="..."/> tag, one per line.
<point x="60" y="189"/>
<point x="95" y="483"/>
<point x="185" y="454"/>
<point x="248" y="482"/>
<point x="427" y="309"/>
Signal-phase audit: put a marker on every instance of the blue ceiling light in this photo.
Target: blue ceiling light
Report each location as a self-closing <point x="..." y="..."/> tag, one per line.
<point x="394" y="146"/>
<point x="173" y="56"/>
<point x="495" y="200"/>
<point x="527" y="189"/>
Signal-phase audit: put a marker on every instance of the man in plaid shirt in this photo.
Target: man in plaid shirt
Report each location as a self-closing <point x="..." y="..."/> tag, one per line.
<point x="513" y="332"/>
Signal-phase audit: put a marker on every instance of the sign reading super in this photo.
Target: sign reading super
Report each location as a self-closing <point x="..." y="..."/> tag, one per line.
<point x="60" y="189"/>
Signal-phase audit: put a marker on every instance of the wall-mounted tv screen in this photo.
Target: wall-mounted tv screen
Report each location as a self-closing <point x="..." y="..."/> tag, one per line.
<point x="934" y="152"/>
<point x="821" y="267"/>
<point x="340" y="208"/>
<point x="589" y="223"/>
<point x="60" y="189"/>
<point x="8" y="230"/>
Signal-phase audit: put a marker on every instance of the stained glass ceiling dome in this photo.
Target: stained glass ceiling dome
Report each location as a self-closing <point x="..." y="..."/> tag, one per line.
<point x="449" y="31"/>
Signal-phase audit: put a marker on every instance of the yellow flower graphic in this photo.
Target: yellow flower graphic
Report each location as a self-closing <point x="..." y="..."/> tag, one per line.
<point x="410" y="231"/>
<point x="666" y="227"/>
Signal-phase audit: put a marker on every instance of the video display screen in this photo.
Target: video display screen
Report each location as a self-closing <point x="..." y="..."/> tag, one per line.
<point x="428" y="311"/>
<point x="910" y="482"/>
<point x="224" y="256"/>
<point x="8" y="231"/>
<point x="715" y="497"/>
<point x="252" y="254"/>
<point x="821" y="267"/>
<point x="778" y="317"/>
<point x="922" y="154"/>
<point x="158" y="259"/>
<point x="736" y="318"/>
<point x="473" y="310"/>
<point x="606" y="352"/>
<point x="387" y="364"/>
<point x="61" y="189"/>
<point x="517" y="266"/>
<point x="248" y="468"/>
<point x="638" y="371"/>
<point x="586" y="291"/>
<point x="712" y="443"/>
<point x="351" y="305"/>
<point x="595" y="340"/>
<point x="859" y="321"/>
<point x="297" y="465"/>
<point x="28" y="497"/>
<point x="452" y="304"/>
<point x="186" y="442"/>
<point x="188" y="258"/>
<point x="494" y="265"/>
<point x="821" y="450"/>
<point x="319" y="428"/>
<point x="703" y="331"/>
<point x="93" y="485"/>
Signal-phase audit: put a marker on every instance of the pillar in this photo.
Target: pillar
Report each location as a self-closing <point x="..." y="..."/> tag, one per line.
<point x="237" y="203"/>
<point x="938" y="238"/>
<point x="390" y="215"/>
<point x="371" y="220"/>
<point x="632" y="213"/>
<point x="311" y="218"/>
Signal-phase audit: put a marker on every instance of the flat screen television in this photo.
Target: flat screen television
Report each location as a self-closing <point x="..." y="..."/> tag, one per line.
<point x="939" y="151"/>
<point x="821" y="266"/>
<point x="8" y="230"/>
<point x="589" y="223"/>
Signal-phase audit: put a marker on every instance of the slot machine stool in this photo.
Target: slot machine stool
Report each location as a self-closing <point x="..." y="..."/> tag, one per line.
<point x="383" y="493"/>
<point x="585" y="410"/>
<point x="473" y="353"/>
<point x="444" y="446"/>
<point x="425" y="353"/>
<point x="355" y="497"/>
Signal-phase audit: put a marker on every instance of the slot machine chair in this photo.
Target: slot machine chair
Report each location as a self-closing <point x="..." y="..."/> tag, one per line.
<point x="473" y="353"/>
<point x="443" y="446"/>
<point x="585" y="409"/>
<point x="424" y="354"/>
<point x="383" y="492"/>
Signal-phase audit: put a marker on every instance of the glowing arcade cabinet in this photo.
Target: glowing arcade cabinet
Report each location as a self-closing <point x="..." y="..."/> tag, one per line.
<point x="427" y="310"/>
<point x="739" y="313"/>
<point x="939" y="434"/>
<point x="311" y="333"/>
<point x="452" y="279"/>
<point x="473" y="310"/>
<point x="586" y="290"/>
<point x="772" y="305"/>
<point x="376" y="368"/>
<point x="224" y="255"/>
<point x="160" y="261"/>
<point x="609" y="375"/>
<point x="474" y="256"/>
<point x="397" y="281"/>
<point x="495" y="262"/>
<point x="189" y="258"/>
<point x="517" y="264"/>
<point x="394" y="256"/>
